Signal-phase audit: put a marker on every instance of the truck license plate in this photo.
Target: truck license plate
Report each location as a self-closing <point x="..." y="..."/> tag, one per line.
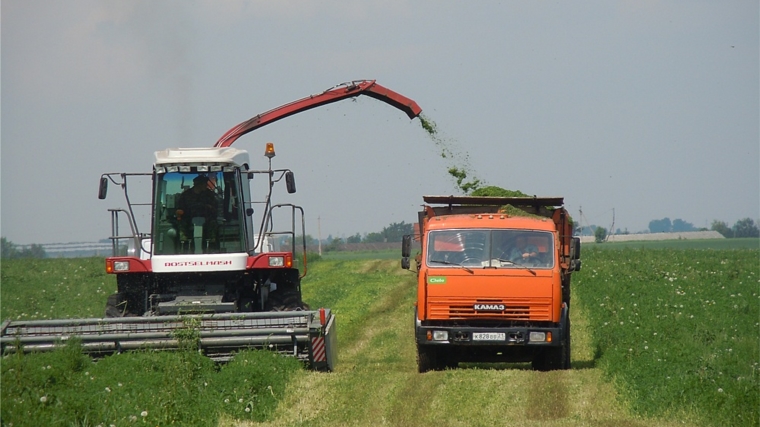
<point x="489" y="336"/>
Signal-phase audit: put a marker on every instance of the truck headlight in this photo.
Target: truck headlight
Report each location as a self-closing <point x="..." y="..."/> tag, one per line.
<point x="276" y="261"/>
<point x="440" y="335"/>
<point x="537" y="337"/>
<point x="121" y="266"/>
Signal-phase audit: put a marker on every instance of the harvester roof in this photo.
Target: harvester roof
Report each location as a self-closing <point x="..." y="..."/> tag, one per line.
<point x="227" y="155"/>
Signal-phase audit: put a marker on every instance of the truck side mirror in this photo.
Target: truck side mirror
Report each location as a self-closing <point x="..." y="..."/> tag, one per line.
<point x="406" y="246"/>
<point x="103" y="188"/>
<point x="290" y="182"/>
<point x="406" y="249"/>
<point x="576" y="248"/>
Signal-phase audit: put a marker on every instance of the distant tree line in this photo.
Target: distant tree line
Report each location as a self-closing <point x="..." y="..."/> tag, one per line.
<point x="12" y="251"/>
<point x="666" y="226"/>
<point x="392" y="233"/>
<point x="743" y="228"/>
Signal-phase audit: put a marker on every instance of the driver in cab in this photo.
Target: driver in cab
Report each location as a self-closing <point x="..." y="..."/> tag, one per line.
<point x="198" y="201"/>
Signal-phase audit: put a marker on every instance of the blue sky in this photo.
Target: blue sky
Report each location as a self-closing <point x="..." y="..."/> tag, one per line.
<point x="647" y="108"/>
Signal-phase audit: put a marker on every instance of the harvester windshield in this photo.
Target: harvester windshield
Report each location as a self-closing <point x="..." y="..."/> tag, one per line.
<point x="197" y="212"/>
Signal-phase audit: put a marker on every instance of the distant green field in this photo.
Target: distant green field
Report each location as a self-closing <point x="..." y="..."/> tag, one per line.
<point x="744" y="243"/>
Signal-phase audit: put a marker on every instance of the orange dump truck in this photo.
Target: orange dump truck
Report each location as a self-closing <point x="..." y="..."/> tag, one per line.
<point x="493" y="286"/>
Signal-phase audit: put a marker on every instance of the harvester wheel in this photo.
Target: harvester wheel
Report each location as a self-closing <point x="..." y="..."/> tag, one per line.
<point x="116" y="306"/>
<point x="286" y="301"/>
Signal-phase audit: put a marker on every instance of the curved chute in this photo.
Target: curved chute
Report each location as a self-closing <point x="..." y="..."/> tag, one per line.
<point x="334" y="94"/>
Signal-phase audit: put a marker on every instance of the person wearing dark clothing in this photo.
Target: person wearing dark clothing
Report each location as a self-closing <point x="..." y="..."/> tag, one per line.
<point x="197" y="201"/>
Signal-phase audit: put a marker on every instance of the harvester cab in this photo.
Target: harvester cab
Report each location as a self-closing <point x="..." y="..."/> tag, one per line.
<point x="205" y="253"/>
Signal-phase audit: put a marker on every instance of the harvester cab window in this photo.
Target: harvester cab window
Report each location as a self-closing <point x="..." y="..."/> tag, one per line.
<point x="490" y="248"/>
<point x="196" y="213"/>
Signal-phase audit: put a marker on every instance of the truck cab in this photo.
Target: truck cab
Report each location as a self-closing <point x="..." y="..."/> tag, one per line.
<point x="492" y="286"/>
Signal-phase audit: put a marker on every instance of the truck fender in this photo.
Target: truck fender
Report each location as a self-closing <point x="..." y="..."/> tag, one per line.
<point x="417" y="322"/>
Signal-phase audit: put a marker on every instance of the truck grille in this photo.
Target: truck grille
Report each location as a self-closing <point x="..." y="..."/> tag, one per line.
<point x="513" y="308"/>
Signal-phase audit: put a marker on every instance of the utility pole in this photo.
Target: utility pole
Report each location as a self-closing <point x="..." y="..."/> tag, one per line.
<point x="612" y="227"/>
<point x="319" y="234"/>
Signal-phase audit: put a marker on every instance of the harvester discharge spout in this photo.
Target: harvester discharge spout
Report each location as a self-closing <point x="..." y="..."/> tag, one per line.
<point x="334" y="94"/>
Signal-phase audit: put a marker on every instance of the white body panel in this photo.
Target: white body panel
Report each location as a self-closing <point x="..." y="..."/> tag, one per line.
<point x="199" y="263"/>
<point x="229" y="155"/>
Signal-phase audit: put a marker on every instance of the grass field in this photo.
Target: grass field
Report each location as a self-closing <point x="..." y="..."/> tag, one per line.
<point x="665" y="365"/>
<point x="677" y="330"/>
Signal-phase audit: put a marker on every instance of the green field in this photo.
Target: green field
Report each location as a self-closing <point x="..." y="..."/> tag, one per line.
<point x="677" y="330"/>
<point x="661" y="337"/>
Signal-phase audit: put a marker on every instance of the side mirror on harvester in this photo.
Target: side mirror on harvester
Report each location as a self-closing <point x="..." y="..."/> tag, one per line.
<point x="290" y="182"/>
<point x="406" y="249"/>
<point x="103" y="188"/>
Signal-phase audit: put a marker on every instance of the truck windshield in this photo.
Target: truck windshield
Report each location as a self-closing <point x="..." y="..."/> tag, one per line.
<point x="490" y="248"/>
<point x="197" y="213"/>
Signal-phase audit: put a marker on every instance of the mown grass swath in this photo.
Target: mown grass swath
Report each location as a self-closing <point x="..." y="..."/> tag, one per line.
<point x="677" y="330"/>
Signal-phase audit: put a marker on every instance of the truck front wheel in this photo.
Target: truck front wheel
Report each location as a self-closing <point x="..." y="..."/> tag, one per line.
<point x="433" y="358"/>
<point x="555" y="358"/>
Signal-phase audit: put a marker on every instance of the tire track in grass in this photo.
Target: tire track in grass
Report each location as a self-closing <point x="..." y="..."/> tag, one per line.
<point x="548" y="396"/>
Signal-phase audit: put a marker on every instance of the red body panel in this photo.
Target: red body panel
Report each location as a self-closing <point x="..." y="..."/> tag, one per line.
<point x="136" y="265"/>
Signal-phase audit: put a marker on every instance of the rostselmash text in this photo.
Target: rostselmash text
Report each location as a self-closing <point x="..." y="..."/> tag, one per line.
<point x="196" y="263"/>
<point x="489" y="307"/>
